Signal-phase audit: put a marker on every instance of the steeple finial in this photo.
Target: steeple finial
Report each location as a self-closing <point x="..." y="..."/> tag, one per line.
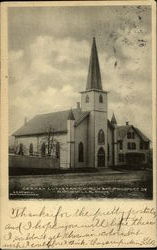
<point x="113" y="120"/>
<point x="71" y="115"/>
<point x="94" y="76"/>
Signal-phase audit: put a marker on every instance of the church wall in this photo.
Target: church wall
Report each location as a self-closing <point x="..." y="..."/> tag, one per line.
<point x="100" y="106"/>
<point x="100" y="123"/>
<point x="37" y="142"/>
<point x="110" y="142"/>
<point x="26" y="141"/>
<point x="87" y="106"/>
<point x="62" y="139"/>
<point x="91" y="140"/>
<point x="81" y="136"/>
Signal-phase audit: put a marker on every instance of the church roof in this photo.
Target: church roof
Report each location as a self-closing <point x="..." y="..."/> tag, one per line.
<point x="57" y="121"/>
<point x="94" y="76"/>
<point x="122" y="132"/>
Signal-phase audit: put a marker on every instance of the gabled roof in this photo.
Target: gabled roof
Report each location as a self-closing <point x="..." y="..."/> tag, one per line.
<point x="57" y="121"/>
<point x="122" y="132"/>
<point x="94" y="76"/>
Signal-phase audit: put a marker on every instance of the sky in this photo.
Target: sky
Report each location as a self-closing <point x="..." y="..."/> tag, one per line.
<point x="49" y="50"/>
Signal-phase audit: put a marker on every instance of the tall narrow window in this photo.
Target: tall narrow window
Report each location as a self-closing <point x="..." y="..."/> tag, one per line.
<point x="43" y="149"/>
<point x="101" y="137"/>
<point x="80" y="152"/>
<point x="100" y="98"/>
<point x="57" y="150"/>
<point x="87" y="98"/>
<point x="31" y="149"/>
<point x="21" y="149"/>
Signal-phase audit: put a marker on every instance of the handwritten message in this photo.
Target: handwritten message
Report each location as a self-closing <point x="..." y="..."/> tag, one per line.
<point x="79" y="227"/>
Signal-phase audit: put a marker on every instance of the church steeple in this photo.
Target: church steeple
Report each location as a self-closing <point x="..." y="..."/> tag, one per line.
<point x="94" y="76"/>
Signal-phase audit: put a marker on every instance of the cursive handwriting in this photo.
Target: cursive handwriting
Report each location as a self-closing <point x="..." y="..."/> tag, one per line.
<point x="58" y="227"/>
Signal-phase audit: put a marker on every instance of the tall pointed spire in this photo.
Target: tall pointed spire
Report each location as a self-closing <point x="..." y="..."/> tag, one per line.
<point x="94" y="76"/>
<point x="113" y="120"/>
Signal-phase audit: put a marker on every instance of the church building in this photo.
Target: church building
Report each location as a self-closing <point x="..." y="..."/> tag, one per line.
<point x="84" y="136"/>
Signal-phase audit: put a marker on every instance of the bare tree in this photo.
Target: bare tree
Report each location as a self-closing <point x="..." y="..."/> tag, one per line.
<point x="51" y="142"/>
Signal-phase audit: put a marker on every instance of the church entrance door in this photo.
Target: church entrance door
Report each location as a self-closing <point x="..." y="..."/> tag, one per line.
<point x="101" y="157"/>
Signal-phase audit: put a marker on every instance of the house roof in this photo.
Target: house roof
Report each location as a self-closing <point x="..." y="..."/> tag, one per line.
<point x="122" y="131"/>
<point x="57" y="121"/>
<point x="94" y="76"/>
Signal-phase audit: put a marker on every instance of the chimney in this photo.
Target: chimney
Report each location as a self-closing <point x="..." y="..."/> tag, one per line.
<point x="78" y="105"/>
<point x="25" y="121"/>
<point x="127" y="123"/>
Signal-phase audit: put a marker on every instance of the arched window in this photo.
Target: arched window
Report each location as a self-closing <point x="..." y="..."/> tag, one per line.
<point x="31" y="149"/>
<point x="87" y="98"/>
<point x="101" y="137"/>
<point x="43" y="149"/>
<point x="100" y="98"/>
<point x="80" y="152"/>
<point x="57" y="150"/>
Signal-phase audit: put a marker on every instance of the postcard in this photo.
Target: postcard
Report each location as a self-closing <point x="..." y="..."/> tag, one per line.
<point x="78" y="124"/>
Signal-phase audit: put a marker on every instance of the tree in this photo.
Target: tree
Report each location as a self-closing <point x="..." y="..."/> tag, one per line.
<point x="50" y="143"/>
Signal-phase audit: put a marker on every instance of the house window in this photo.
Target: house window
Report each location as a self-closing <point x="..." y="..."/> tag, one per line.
<point x="101" y="137"/>
<point x="141" y="145"/>
<point x="121" y="158"/>
<point x="121" y="145"/>
<point x="131" y="135"/>
<point x="128" y="135"/>
<point x="80" y="152"/>
<point x="57" y="150"/>
<point x="43" y="149"/>
<point x="31" y="149"/>
<point x="131" y="145"/>
<point x="108" y="152"/>
<point x="144" y="145"/>
<point x="100" y="98"/>
<point x="87" y="98"/>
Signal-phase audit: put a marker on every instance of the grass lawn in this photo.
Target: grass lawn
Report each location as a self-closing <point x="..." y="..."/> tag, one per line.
<point x="106" y="183"/>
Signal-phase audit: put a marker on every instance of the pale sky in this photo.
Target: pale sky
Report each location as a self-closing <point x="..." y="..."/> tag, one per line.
<point x="49" y="50"/>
